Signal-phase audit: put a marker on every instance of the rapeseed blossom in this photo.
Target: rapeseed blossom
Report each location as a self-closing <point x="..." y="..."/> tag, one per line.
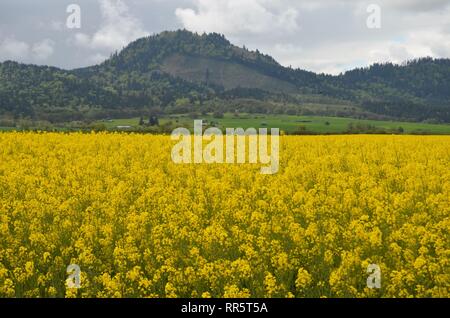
<point x="138" y="225"/>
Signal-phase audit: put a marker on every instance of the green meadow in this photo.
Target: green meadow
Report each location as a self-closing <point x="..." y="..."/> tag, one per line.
<point x="288" y="124"/>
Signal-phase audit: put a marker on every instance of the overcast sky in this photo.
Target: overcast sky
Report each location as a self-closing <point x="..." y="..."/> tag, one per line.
<point x="328" y="36"/>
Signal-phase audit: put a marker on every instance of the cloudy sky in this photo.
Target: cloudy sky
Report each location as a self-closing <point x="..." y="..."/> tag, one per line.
<point x="328" y="36"/>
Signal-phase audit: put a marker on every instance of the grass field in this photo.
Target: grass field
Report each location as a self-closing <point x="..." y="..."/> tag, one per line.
<point x="289" y="124"/>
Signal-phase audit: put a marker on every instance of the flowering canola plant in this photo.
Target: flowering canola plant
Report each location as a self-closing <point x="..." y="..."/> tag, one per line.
<point x="139" y="225"/>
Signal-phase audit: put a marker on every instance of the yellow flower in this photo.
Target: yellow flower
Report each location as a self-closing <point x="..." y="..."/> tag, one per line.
<point x="139" y="225"/>
<point x="303" y="279"/>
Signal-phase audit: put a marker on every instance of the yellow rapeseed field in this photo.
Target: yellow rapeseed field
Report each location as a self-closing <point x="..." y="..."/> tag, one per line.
<point x="139" y="225"/>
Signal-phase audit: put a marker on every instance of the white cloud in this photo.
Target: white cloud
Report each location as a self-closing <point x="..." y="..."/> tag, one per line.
<point x="12" y="49"/>
<point x="437" y="42"/>
<point x="232" y="17"/>
<point x="348" y="55"/>
<point x="118" y="28"/>
<point x="43" y="50"/>
<point x="417" y="44"/>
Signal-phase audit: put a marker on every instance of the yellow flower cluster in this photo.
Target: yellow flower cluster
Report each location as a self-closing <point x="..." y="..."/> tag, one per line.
<point x="139" y="225"/>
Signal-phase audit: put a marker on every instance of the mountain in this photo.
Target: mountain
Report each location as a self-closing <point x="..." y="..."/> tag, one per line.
<point x="182" y="71"/>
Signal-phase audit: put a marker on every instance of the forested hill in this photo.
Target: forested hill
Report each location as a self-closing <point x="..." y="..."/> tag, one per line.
<point x="182" y="71"/>
<point x="418" y="86"/>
